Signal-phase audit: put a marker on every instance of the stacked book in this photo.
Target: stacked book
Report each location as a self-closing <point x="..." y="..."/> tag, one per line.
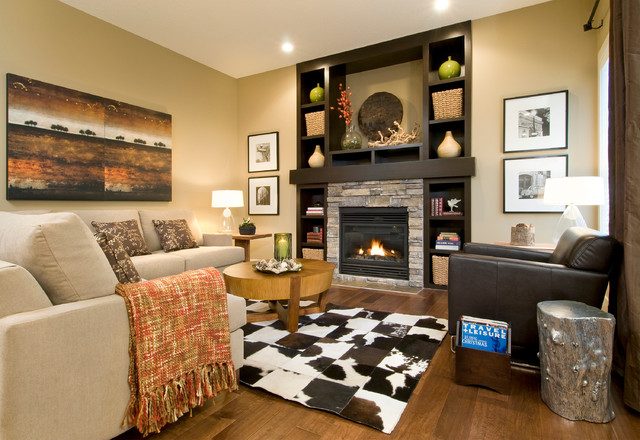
<point x="314" y="237"/>
<point x="448" y="241"/>
<point x="315" y="210"/>
<point x="484" y="334"/>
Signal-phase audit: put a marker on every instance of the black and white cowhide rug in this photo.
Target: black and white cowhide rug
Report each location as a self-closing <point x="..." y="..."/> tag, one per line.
<point x="360" y="364"/>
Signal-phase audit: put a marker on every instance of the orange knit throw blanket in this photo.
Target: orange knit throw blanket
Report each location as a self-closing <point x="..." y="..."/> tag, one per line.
<point x="178" y="345"/>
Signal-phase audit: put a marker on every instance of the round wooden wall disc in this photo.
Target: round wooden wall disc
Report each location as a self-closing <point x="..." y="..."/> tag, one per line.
<point x="378" y="112"/>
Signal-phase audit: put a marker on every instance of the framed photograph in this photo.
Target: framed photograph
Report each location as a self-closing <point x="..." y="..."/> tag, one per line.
<point x="263" y="195"/>
<point x="536" y="122"/>
<point x="524" y="181"/>
<point x="263" y="152"/>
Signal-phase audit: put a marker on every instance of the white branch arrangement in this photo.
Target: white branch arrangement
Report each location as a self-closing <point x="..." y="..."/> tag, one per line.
<point x="397" y="137"/>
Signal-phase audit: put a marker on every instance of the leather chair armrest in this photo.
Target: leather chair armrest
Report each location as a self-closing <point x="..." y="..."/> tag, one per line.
<point x="217" y="239"/>
<point x="507" y="252"/>
<point x="509" y="290"/>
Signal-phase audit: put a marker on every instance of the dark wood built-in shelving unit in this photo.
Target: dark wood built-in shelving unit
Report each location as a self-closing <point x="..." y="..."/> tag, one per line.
<point x="447" y="178"/>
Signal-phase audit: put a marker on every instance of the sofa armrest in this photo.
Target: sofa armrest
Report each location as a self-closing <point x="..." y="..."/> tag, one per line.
<point x="509" y="290"/>
<point x="64" y="370"/>
<point x="217" y="239"/>
<point x="507" y="252"/>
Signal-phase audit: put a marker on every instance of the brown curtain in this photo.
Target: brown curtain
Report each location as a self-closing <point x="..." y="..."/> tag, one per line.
<point x="624" y="186"/>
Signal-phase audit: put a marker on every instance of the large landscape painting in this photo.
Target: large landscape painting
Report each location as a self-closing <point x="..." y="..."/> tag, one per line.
<point x="67" y="145"/>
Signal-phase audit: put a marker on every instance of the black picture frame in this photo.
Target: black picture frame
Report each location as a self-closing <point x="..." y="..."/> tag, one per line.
<point x="263" y="152"/>
<point x="264" y="195"/>
<point x="536" y="122"/>
<point x="524" y="179"/>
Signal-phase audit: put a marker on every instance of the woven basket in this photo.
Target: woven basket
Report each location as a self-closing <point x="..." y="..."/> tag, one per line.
<point x="447" y="104"/>
<point x="440" y="270"/>
<point x="312" y="254"/>
<point x="315" y="123"/>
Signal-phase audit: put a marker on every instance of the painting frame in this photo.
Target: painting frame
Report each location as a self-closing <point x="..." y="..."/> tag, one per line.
<point x="65" y="144"/>
<point x="263" y="152"/>
<point x="264" y="195"/>
<point x="536" y="122"/>
<point x="523" y="182"/>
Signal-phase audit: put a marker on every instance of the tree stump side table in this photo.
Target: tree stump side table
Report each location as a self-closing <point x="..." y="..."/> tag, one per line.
<point x="576" y="346"/>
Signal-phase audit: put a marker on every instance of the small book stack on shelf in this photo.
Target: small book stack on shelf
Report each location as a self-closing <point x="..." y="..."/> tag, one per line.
<point x="315" y="237"/>
<point x="315" y="210"/>
<point x="438" y="209"/>
<point x="484" y="334"/>
<point x="449" y="241"/>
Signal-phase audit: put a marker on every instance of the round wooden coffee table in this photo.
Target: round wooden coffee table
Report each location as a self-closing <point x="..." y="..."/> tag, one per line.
<point x="314" y="279"/>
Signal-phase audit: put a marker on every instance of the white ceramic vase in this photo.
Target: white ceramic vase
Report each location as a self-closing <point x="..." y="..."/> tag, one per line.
<point x="317" y="158"/>
<point x="449" y="147"/>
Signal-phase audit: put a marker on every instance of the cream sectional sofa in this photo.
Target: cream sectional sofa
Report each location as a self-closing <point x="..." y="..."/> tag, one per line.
<point x="64" y="334"/>
<point x="215" y="250"/>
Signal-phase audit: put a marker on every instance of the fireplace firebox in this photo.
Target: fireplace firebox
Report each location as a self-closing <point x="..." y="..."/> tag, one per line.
<point x="374" y="242"/>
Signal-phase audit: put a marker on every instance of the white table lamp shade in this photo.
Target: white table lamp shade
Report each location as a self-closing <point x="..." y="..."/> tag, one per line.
<point x="581" y="190"/>
<point x="227" y="199"/>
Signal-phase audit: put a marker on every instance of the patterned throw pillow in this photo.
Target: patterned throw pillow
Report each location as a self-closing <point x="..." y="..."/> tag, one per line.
<point x="174" y="234"/>
<point x="118" y="258"/>
<point x="129" y="234"/>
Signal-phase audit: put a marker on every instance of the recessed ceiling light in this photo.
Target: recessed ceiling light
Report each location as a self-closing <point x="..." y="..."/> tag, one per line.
<point x="441" y="5"/>
<point x="287" y="47"/>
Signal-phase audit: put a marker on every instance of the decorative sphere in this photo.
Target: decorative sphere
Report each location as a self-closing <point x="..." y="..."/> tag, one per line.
<point x="317" y="94"/>
<point x="449" y="69"/>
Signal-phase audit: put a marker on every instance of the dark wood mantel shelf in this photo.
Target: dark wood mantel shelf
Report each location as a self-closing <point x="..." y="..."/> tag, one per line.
<point x="419" y="169"/>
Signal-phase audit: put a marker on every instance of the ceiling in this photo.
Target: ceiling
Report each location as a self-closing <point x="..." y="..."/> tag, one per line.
<point x="244" y="37"/>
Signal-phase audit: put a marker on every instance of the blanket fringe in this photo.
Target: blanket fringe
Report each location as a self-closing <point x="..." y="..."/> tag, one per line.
<point x="166" y="403"/>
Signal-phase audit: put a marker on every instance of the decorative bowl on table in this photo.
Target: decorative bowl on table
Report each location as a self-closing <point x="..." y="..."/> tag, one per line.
<point x="277" y="267"/>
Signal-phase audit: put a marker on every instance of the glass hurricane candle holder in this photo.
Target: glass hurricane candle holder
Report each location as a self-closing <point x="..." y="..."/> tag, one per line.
<point x="282" y="246"/>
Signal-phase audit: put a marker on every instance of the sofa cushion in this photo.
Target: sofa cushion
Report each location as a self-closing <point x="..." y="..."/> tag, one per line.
<point x="129" y="234"/>
<point x="59" y="250"/>
<point x="158" y="264"/>
<point x="148" y="230"/>
<point x="19" y="291"/>
<point x="208" y="256"/>
<point x="174" y="235"/>
<point x="118" y="258"/>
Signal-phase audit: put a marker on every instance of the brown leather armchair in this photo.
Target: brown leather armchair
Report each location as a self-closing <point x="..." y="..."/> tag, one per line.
<point x="506" y="283"/>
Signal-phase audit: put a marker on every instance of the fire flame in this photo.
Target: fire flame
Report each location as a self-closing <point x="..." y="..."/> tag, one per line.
<point x="377" y="249"/>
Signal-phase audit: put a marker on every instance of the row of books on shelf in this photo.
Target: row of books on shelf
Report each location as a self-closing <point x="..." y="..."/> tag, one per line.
<point x="438" y="209"/>
<point x="484" y="334"/>
<point x="449" y="241"/>
<point x="315" y="237"/>
<point x="315" y="210"/>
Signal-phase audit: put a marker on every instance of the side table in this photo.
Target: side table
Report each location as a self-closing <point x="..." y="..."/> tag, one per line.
<point x="576" y="345"/>
<point x="244" y="241"/>
<point x="535" y="246"/>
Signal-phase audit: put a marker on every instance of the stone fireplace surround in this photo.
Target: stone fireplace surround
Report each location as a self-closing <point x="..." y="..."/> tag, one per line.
<point x="407" y="193"/>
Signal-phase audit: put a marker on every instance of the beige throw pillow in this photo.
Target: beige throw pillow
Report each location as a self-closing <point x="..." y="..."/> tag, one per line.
<point x="60" y="252"/>
<point x="174" y="234"/>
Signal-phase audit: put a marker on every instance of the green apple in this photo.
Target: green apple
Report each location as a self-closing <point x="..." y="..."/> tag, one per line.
<point x="317" y="94"/>
<point x="449" y="69"/>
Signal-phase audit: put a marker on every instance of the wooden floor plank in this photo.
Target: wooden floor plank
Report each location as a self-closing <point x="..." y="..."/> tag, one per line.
<point x="438" y="409"/>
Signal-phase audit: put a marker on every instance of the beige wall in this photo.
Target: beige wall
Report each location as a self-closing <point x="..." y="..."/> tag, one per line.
<point x="533" y="50"/>
<point x="266" y="103"/>
<point x="52" y="42"/>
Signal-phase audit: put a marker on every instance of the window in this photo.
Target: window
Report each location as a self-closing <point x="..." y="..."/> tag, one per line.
<point x="603" y="132"/>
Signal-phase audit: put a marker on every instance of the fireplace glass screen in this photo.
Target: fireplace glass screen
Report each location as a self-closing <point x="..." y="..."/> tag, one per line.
<point x="374" y="242"/>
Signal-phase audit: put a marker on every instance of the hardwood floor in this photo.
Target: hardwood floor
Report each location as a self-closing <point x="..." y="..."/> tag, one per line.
<point x="438" y="409"/>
